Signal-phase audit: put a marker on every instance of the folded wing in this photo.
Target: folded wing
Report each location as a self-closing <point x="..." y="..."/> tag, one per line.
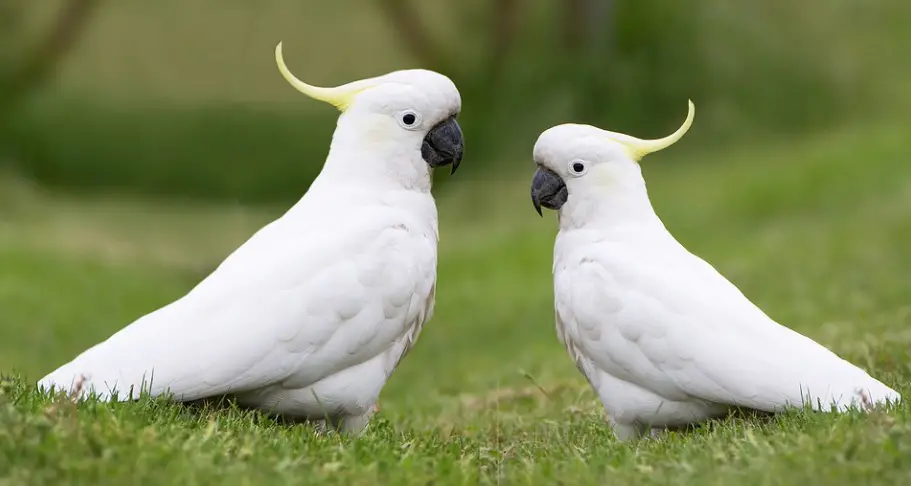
<point x="680" y="329"/>
<point x="285" y="308"/>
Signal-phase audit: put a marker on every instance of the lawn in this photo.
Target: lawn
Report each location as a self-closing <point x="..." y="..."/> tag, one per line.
<point x="815" y="231"/>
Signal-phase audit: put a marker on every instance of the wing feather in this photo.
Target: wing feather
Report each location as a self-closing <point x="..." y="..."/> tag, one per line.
<point x="677" y="327"/>
<point x="290" y="306"/>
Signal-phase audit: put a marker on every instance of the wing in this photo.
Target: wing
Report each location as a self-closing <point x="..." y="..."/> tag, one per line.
<point x="291" y="306"/>
<point x="676" y="327"/>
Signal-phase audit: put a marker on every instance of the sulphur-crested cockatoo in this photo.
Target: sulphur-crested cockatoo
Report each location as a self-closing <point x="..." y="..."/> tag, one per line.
<point x="312" y="314"/>
<point x="661" y="336"/>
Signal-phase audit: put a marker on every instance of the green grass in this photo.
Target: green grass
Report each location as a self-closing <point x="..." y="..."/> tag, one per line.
<point x="814" y="232"/>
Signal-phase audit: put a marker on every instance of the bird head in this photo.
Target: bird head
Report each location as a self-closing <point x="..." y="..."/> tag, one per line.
<point x="581" y="162"/>
<point x="403" y="117"/>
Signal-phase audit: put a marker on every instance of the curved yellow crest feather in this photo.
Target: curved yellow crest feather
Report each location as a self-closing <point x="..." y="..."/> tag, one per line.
<point x="339" y="96"/>
<point x="640" y="148"/>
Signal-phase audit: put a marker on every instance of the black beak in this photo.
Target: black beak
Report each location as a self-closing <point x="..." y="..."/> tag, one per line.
<point x="444" y="145"/>
<point x="548" y="190"/>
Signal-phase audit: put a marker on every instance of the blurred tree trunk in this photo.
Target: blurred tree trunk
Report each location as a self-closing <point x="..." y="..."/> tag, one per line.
<point x="587" y="36"/>
<point x="503" y="30"/>
<point x="588" y="31"/>
<point x="587" y="24"/>
<point x="406" y="21"/>
<point x="601" y="26"/>
<point x="478" y="82"/>
<point x="414" y="34"/>
<point x="30" y="69"/>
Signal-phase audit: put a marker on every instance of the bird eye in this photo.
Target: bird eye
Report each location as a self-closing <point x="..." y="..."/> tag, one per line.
<point x="409" y="119"/>
<point x="577" y="167"/>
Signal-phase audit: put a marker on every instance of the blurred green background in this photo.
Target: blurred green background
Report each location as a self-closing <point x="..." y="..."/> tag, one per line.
<point x="146" y="140"/>
<point x="182" y="97"/>
<point x="142" y="141"/>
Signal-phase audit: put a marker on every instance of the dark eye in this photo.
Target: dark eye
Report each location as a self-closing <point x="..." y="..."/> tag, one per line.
<point x="577" y="167"/>
<point x="410" y="119"/>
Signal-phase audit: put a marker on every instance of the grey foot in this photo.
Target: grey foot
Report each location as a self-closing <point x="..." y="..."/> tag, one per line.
<point x="626" y="432"/>
<point x="635" y="431"/>
<point x="347" y="424"/>
<point x="657" y="432"/>
<point x="355" y="424"/>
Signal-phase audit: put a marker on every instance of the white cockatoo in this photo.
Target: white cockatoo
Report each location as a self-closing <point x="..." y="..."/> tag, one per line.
<point x="312" y="314"/>
<point x="662" y="337"/>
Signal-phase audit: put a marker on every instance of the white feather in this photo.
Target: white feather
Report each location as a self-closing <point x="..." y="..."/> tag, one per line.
<point x="313" y="313"/>
<point x="663" y="338"/>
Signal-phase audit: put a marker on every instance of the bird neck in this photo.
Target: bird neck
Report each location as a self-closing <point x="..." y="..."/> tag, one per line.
<point x="362" y="155"/>
<point x="354" y="178"/>
<point x="620" y="204"/>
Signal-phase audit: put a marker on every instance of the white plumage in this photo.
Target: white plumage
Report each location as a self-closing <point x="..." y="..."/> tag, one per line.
<point x="313" y="313"/>
<point x="662" y="337"/>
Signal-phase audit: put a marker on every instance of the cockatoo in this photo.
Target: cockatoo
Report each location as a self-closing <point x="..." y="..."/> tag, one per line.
<point x="663" y="338"/>
<point x="309" y="317"/>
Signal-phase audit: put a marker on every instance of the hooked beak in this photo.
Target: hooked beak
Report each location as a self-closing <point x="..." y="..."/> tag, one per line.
<point x="548" y="190"/>
<point x="444" y="145"/>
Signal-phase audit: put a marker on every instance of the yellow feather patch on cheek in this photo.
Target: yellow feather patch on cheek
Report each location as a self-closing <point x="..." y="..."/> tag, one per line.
<point x="601" y="175"/>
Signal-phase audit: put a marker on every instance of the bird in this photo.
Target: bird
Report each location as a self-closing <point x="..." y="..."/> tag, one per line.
<point x="663" y="338"/>
<point x="311" y="315"/>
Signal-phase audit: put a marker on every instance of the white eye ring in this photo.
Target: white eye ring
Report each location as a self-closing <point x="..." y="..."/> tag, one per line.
<point x="576" y="164"/>
<point x="409" y="115"/>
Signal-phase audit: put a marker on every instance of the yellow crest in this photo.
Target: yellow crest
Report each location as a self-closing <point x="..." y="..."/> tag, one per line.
<point x="640" y="148"/>
<point x="340" y="96"/>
